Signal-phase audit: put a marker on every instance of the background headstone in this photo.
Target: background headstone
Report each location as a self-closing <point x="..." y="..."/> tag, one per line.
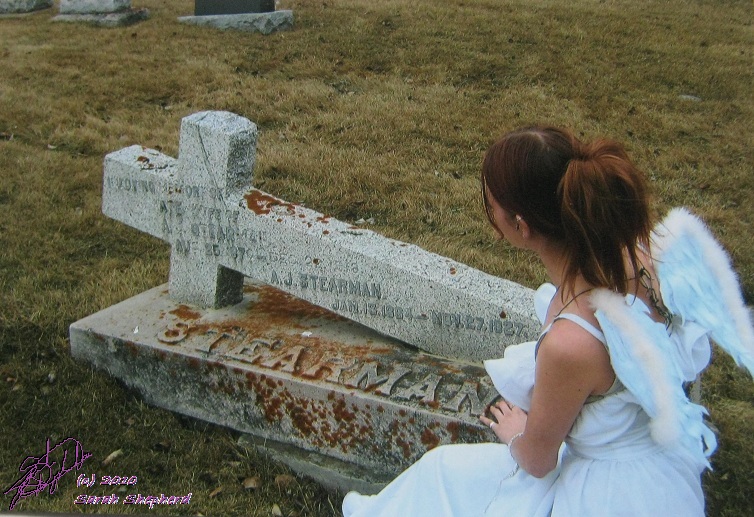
<point x="104" y="13"/>
<point x="93" y="6"/>
<point x="242" y="15"/>
<point x="209" y="7"/>
<point x="23" y="6"/>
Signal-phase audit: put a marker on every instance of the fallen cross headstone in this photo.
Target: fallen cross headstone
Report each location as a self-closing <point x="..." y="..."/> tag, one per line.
<point x="310" y="350"/>
<point x="103" y="13"/>
<point x="243" y="15"/>
<point x="23" y="6"/>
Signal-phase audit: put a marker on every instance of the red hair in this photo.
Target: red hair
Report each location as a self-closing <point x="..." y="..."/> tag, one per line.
<point x="588" y="197"/>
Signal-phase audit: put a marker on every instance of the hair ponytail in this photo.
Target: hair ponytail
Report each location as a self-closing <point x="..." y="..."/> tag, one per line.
<point x="590" y="197"/>
<point x="604" y="212"/>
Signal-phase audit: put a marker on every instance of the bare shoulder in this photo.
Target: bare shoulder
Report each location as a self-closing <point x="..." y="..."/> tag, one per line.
<point x="569" y="351"/>
<point x="568" y="341"/>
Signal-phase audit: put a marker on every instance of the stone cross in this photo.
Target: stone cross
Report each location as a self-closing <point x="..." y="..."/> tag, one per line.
<point x="221" y="229"/>
<point x="233" y="339"/>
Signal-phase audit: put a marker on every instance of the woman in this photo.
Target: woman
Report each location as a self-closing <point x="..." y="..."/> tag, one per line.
<point x="595" y="420"/>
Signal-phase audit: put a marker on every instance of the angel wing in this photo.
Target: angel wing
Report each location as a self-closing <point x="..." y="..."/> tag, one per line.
<point x="643" y="356"/>
<point x="698" y="283"/>
<point x="700" y="289"/>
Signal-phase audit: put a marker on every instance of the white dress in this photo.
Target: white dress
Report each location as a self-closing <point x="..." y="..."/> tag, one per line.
<point x="638" y="451"/>
<point x="609" y="465"/>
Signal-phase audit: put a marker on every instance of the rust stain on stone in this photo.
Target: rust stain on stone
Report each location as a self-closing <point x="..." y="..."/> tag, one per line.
<point x="281" y="306"/>
<point x="261" y="203"/>
<point x="341" y="413"/>
<point x="405" y="447"/>
<point x="186" y="313"/>
<point x="454" y="428"/>
<point x="429" y="439"/>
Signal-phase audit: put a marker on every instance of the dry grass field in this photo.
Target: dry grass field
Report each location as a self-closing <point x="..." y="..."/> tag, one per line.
<point x="367" y="109"/>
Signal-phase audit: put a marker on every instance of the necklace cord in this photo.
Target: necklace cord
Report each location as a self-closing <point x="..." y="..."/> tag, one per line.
<point x="645" y="279"/>
<point x="572" y="299"/>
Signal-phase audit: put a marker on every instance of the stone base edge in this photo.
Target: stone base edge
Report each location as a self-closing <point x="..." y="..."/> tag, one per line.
<point x="264" y="23"/>
<point x="331" y="473"/>
<point x="24" y="6"/>
<point x="119" y="19"/>
<point x="236" y="369"/>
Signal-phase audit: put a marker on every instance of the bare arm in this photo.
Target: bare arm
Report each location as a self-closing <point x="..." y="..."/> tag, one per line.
<point x="571" y="365"/>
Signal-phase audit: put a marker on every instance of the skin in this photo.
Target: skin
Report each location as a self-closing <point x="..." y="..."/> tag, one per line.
<point x="571" y="363"/>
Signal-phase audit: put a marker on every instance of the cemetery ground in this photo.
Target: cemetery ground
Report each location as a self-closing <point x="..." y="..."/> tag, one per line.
<point x="377" y="113"/>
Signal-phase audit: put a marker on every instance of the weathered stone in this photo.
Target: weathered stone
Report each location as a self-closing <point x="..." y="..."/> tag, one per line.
<point x="93" y="6"/>
<point x="102" y="13"/>
<point x="23" y="6"/>
<point x="332" y="473"/>
<point x="221" y="230"/>
<point x="282" y="369"/>
<point x="337" y="400"/>
<point x="264" y="23"/>
<point x="121" y="19"/>
<point x="210" y="7"/>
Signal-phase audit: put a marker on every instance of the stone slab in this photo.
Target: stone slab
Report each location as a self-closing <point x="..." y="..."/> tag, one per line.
<point x="93" y="6"/>
<point x="119" y="19"/>
<point x="23" y="6"/>
<point x="222" y="231"/>
<point x="284" y="370"/>
<point x="212" y="7"/>
<point x="332" y="473"/>
<point x="264" y="23"/>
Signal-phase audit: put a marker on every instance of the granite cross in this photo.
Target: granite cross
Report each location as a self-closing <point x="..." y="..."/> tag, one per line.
<point x="221" y="230"/>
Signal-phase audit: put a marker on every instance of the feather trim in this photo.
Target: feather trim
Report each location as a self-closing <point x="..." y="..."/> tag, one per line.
<point x="665" y="423"/>
<point x="680" y="222"/>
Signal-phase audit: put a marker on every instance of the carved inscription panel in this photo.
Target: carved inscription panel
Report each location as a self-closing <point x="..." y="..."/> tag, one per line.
<point x="431" y="302"/>
<point x="193" y="217"/>
<point x="436" y="385"/>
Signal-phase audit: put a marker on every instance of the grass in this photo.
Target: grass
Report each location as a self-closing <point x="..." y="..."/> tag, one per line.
<point x="367" y="110"/>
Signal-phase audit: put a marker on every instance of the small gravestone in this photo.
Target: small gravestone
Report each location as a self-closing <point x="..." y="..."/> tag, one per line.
<point x="23" y="6"/>
<point x="326" y="342"/>
<point x="215" y="7"/>
<point x="103" y="13"/>
<point x="242" y="15"/>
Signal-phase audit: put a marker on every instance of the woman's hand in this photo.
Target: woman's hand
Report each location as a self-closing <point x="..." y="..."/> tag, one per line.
<point x="509" y="420"/>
